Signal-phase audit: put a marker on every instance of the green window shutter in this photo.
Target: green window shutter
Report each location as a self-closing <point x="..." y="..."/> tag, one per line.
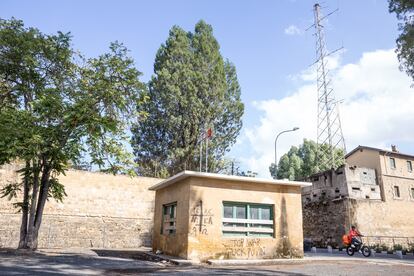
<point x="238" y="215"/>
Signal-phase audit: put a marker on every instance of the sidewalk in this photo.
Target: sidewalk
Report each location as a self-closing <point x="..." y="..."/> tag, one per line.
<point x="336" y="252"/>
<point x="321" y="255"/>
<point x="312" y="257"/>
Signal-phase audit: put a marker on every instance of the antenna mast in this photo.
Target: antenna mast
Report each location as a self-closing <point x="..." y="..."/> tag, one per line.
<point x="329" y="129"/>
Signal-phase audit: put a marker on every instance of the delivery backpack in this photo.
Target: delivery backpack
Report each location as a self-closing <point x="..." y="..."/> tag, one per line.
<point x="345" y="239"/>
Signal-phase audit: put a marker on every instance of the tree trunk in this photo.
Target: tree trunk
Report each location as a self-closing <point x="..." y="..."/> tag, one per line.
<point x="44" y="188"/>
<point x="25" y="209"/>
<point x="32" y="215"/>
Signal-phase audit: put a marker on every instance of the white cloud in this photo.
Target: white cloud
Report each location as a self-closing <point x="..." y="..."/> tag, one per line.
<point x="332" y="62"/>
<point x="293" y="30"/>
<point x="377" y="109"/>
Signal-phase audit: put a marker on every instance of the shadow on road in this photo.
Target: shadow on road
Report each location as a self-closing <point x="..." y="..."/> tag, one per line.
<point x="200" y="271"/>
<point x="127" y="254"/>
<point x="26" y="262"/>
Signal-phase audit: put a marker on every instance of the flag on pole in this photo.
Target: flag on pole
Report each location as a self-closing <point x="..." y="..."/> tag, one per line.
<point x="209" y="133"/>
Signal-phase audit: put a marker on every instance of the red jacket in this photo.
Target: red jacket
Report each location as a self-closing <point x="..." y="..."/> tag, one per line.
<point x="353" y="233"/>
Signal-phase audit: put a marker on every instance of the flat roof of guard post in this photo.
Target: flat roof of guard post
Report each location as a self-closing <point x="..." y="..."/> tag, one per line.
<point x="185" y="174"/>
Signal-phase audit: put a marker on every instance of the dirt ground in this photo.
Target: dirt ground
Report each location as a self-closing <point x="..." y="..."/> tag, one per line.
<point x="137" y="262"/>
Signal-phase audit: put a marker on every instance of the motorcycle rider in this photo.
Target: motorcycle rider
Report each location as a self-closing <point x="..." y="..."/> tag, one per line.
<point x="354" y="237"/>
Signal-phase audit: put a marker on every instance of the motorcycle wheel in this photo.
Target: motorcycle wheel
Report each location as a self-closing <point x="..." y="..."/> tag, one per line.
<point x="350" y="251"/>
<point x="366" y="251"/>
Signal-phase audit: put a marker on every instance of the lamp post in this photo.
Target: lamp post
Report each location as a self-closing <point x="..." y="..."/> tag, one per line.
<point x="277" y="136"/>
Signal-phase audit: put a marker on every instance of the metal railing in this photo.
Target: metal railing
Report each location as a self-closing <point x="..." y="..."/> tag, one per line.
<point x="388" y="240"/>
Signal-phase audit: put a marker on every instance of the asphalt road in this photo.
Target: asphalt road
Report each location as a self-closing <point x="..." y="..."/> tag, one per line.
<point x="106" y="262"/>
<point x="315" y="268"/>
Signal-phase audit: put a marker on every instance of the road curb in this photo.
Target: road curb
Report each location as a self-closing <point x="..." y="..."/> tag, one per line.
<point x="231" y="262"/>
<point x="305" y="260"/>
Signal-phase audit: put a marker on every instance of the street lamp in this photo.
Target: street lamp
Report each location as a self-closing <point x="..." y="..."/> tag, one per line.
<point x="277" y="136"/>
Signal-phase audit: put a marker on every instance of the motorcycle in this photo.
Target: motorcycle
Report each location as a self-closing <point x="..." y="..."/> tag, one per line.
<point x="352" y="248"/>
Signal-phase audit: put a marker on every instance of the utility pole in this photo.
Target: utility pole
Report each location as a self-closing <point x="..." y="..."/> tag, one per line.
<point x="329" y="130"/>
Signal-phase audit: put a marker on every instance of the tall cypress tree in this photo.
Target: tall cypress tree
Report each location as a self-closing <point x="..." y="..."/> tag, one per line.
<point x="192" y="89"/>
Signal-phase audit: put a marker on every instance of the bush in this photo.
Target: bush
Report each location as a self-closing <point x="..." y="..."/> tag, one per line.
<point x="398" y="247"/>
<point x="376" y="247"/>
<point x="410" y="247"/>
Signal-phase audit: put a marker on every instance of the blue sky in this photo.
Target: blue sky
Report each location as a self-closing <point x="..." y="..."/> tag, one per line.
<point x="252" y="34"/>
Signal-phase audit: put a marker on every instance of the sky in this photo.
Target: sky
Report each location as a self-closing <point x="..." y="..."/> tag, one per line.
<point x="273" y="53"/>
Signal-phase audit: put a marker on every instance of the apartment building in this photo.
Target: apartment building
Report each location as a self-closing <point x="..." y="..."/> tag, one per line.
<point x="374" y="190"/>
<point x="394" y="170"/>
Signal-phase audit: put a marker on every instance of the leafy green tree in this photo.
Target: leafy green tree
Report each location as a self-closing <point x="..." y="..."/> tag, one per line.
<point x="404" y="9"/>
<point x="232" y="167"/>
<point x="55" y="107"/>
<point x="192" y="89"/>
<point x="301" y="162"/>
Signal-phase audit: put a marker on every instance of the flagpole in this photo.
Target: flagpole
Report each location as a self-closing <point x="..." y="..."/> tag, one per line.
<point x="201" y="152"/>
<point x="207" y="153"/>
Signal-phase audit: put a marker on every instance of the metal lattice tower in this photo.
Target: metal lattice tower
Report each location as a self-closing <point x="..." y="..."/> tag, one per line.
<point x="329" y="130"/>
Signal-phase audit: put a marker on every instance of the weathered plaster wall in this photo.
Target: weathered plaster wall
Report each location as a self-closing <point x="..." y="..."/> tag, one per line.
<point x="365" y="158"/>
<point x="199" y="220"/>
<point x="100" y="210"/>
<point x="346" y="181"/>
<point x="397" y="177"/>
<point x="400" y="169"/>
<point x="175" y="244"/>
<point x="210" y="242"/>
<point x="393" y="218"/>
<point x="329" y="184"/>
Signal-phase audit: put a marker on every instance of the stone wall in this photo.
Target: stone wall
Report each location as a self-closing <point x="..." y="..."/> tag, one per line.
<point x="382" y="222"/>
<point x="100" y="210"/>
<point x="324" y="222"/>
<point x="390" y="222"/>
<point x="379" y="200"/>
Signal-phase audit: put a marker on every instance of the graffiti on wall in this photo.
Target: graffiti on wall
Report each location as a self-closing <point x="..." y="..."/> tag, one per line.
<point x="244" y="248"/>
<point x="200" y="219"/>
